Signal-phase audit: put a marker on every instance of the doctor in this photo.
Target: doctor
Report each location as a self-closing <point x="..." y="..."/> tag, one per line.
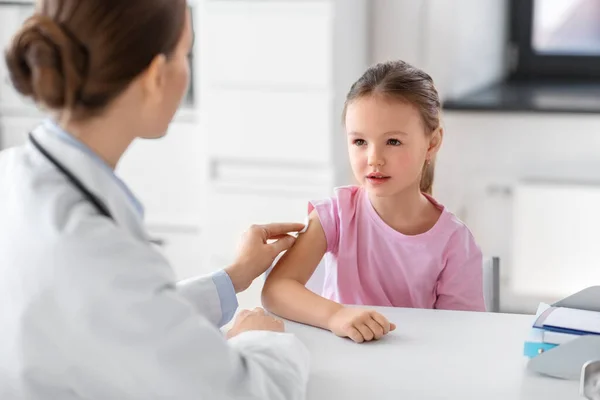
<point x="88" y="308"/>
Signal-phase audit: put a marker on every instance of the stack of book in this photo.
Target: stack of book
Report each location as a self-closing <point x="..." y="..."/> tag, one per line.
<point x="554" y="326"/>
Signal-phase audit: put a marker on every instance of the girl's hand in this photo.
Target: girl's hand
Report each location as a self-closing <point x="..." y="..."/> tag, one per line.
<point x="359" y="325"/>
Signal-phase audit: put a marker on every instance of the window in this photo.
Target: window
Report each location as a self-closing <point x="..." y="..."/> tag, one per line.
<point x="556" y="39"/>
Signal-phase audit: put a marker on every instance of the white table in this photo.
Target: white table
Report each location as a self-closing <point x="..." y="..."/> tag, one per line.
<point x="432" y="355"/>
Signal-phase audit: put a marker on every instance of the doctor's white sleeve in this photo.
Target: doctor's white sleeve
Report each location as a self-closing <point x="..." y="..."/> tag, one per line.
<point x="212" y="296"/>
<point x="136" y="336"/>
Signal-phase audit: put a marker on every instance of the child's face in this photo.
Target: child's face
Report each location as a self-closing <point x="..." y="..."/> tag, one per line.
<point x="387" y="144"/>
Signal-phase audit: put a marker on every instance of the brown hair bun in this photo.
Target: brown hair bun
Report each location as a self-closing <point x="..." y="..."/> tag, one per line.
<point x="46" y="63"/>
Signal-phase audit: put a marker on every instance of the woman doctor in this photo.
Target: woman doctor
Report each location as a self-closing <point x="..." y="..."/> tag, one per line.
<point x="88" y="308"/>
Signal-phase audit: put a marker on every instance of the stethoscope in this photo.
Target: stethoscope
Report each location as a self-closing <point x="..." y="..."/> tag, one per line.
<point x="96" y="202"/>
<point x="102" y="209"/>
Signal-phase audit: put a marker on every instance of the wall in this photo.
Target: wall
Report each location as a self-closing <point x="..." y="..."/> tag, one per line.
<point x="459" y="42"/>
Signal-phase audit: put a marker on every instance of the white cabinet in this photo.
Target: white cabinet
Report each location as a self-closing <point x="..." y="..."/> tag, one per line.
<point x="276" y="126"/>
<point x="269" y="43"/>
<point x="273" y="79"/>
<point x="182" y="246"/>
<point x="168" y="176"/>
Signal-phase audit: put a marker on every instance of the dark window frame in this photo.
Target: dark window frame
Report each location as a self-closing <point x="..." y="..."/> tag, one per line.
<point x="531" y="65"/>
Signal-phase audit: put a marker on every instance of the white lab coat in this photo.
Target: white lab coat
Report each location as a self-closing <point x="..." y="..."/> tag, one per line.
<point x="89" y="308"/>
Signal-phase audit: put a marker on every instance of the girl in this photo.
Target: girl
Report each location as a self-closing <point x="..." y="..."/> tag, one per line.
<point x="388" y="241"/>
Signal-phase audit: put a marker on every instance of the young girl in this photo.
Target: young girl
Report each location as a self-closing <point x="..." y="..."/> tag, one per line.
<point x="388" y="241"/>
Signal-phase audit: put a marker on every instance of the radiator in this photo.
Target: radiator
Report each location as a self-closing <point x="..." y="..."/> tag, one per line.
<point x="556" y="238"/>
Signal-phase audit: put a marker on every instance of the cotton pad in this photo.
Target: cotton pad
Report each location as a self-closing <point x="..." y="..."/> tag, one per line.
<point x="305" y="226"/>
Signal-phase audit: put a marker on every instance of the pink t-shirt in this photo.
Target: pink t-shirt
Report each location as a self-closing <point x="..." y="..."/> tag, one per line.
<point x="370" y="263"/>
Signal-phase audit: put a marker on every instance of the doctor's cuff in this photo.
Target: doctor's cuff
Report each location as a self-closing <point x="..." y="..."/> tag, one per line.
<point x="227" y="296"/>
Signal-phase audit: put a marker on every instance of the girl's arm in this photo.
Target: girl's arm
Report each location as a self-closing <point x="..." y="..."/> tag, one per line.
<point x="285" y="294"/>
<point x="460" y="285"/>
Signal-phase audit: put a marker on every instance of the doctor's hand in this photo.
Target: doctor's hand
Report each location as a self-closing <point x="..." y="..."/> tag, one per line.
<point x="359" y="325"/>
<point x="256" y="254"/>
<point x="255" y="320"/>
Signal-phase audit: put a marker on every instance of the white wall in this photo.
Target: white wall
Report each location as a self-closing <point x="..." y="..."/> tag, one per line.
<point x="460" y="43"/>
<point x="397" y="30"/>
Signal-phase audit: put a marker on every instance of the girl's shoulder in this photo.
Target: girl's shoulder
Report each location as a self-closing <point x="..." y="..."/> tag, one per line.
<point x="344" y="200"/>
<point x="348" y="195"/>
<point x="449" y="226"/>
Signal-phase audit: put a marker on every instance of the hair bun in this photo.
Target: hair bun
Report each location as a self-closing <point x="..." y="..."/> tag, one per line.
<point x="46" y="63"/>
